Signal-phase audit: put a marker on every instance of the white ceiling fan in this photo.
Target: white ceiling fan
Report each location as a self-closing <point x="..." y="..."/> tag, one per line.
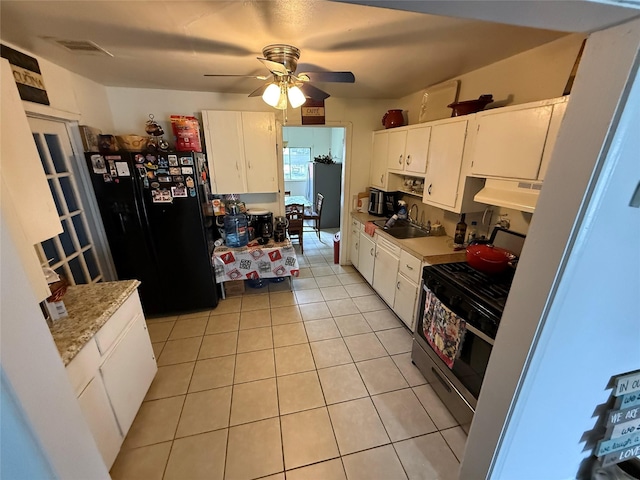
<point x="282" y="61"/>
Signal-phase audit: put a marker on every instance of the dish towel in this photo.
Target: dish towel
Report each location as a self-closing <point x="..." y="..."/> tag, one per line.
<point x="370" y="228"/>
<point x="443" y="329"/>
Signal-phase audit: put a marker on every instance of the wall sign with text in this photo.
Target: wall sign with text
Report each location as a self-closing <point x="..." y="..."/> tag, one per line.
<point x="312" y="112"/>
<point x="27" y="75"/>
<point x="621" y="441"/>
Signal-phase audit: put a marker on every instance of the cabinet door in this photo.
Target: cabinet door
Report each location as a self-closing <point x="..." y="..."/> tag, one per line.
<point x="261" y="161"/>
<point x="385" y="272"/>
<point x="510" y="144"/>
<point x="405" y="301"/>
<point x="127" y="373"/>
<point x="397" y="143"/>
<point x="355" y="241"/>
<point x="554" y="127"/>
<point x="97" y="412"/>
<point x="416" y="150"/>
<point x="445" y="160"/>
<point x="379" y="160"/>
<point x="366" y="256"/>
<point x="225" y="151"/>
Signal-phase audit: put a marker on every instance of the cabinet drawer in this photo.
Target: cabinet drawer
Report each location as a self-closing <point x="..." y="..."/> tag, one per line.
<point x="410" y="266"/>
<point x="83" y="367"/>
<point x="387" y="245"/>
<point x="114" y="327"/>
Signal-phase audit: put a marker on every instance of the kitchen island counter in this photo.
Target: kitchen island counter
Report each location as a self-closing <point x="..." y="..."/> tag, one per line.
<point x="89" y="308"/>
<point x="436" y="249"/>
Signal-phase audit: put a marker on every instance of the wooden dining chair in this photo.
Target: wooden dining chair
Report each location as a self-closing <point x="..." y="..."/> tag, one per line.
<point x="315" y="212"/>
<point x="295" y="215"/>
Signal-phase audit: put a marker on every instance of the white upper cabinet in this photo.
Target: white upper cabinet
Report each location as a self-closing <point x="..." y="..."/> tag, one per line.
<point x="408" y="148"/>
<point x="397" y="142"/>
<point x="554" y="126"/>
<point x="378" y="173"/>
<point x="415" y="152"/>
<point x="241" y="150"/>
<point x="511" y="142"/>
<point x="446" y="149"/>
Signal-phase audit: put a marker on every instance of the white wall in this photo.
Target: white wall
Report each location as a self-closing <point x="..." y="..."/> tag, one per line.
<point x="131" y="108"/>
<point x="71" y="96"/>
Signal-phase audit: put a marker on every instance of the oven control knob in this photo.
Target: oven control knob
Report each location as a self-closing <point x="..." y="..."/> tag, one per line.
<point x="473" y="315"/>
<point x="434" y="285"/>
<point x="455" y="300"/>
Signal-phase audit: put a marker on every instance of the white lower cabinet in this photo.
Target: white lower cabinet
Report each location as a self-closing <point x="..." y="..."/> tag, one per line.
<point x="366" y="256"/>
<point x="407" y="289"/>
<point x="387" y="258"/>
<point x="128" y="372"/>
<point x="111" y="383"/>
<point x="354" y="244"/>
<point x="393" y="273"/>
<point x="97" y="412"/>
<point x="404" y="303"/>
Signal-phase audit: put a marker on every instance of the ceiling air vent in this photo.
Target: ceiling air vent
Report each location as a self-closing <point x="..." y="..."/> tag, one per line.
<point x="79" y="46"/>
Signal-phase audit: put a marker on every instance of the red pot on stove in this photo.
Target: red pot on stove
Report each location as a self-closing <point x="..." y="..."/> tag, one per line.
<point x="489" y="259"/>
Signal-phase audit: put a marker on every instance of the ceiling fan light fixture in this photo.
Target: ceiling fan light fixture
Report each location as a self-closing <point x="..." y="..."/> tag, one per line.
<point x="271" y="95"/>
<point x="296" y="97"/>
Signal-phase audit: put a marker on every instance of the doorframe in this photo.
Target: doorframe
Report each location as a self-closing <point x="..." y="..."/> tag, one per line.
<point x="345" y="187"/>
<point x="87" y="196"/>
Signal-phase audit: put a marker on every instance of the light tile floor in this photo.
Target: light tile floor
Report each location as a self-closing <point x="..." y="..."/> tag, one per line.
<point x="314" y="383"/>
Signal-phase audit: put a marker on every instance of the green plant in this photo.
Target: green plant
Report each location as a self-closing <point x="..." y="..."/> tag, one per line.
<point x="324" y="159"/>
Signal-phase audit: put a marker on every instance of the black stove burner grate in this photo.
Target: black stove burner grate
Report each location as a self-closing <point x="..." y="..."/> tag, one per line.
<point x="491" y="289"/>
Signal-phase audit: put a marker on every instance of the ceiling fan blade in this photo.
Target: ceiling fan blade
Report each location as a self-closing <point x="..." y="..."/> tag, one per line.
<point x="345" y="77"/>
<point x="258" y="77"/>
<point x="313" y="92"/>
<point x="275" y="67"/>
<point x="260" y="90"/>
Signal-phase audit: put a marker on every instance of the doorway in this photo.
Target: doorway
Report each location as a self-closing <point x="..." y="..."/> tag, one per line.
<point x="313" y="161"/>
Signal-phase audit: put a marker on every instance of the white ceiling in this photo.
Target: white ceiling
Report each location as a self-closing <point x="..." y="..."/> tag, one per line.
<point x="171" y="45"/>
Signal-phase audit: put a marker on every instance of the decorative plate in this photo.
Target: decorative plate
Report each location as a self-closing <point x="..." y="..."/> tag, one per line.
<point x="435" y="100"/>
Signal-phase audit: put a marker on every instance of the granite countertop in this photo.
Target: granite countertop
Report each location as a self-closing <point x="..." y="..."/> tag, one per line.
<point x="432" y="250"/>
<point x="89" y="308"/>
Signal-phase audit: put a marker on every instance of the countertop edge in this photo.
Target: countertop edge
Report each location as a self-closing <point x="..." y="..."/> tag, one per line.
<point x="430" y="258"/>
<point x="72" y="333"/>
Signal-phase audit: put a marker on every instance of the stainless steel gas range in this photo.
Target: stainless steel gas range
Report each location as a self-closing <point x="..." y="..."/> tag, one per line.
<point x="459" y="316"/>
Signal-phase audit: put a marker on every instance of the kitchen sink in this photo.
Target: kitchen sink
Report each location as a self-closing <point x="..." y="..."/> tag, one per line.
<point x="402" y="229"/>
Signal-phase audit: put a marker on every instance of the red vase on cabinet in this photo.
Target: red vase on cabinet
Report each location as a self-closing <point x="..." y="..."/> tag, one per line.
<point x="393" y="118"/>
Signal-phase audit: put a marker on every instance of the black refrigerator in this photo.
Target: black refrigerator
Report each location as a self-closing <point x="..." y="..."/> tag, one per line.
<point x="154" y="211"/>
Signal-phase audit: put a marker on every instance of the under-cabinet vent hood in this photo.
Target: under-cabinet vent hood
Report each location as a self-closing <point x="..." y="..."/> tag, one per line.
<point x="521" y="196"/>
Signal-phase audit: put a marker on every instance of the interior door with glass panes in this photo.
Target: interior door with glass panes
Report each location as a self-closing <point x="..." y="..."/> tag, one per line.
<point x="72" y="253"/>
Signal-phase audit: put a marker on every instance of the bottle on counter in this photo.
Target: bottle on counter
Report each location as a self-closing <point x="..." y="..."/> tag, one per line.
<point x="459" y="236"/>
<point x="390" y="222"/>
<point x="236" y="227"/>
<point x="472" y="233"/>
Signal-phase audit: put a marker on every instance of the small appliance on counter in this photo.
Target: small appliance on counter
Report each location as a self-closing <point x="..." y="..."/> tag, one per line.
<point x="383" y="204"/>
<point x="280" y="229"/>
<point x="261" y="222"/>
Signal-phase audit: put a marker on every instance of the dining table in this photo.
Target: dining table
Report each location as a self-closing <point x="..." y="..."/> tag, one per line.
<point x="296" y="199"/>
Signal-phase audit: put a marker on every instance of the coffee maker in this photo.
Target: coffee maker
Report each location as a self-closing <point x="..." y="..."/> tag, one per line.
<point x="280" y="230"/>
<point x="261" y="223"/>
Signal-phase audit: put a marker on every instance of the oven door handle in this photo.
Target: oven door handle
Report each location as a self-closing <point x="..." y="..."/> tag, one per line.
<point x="479" y="334"/>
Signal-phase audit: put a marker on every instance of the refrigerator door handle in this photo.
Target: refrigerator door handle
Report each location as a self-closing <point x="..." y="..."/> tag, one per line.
<point x="122" y="223"/>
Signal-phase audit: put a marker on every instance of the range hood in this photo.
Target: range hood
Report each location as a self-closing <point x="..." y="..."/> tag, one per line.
<point x="514" y="194"/>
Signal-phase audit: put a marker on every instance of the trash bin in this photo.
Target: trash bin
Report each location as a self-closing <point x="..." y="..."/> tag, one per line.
<point x="336" y="248"/>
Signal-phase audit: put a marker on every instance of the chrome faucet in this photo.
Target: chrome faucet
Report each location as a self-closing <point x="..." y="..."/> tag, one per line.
<point x="411" y="219"/>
